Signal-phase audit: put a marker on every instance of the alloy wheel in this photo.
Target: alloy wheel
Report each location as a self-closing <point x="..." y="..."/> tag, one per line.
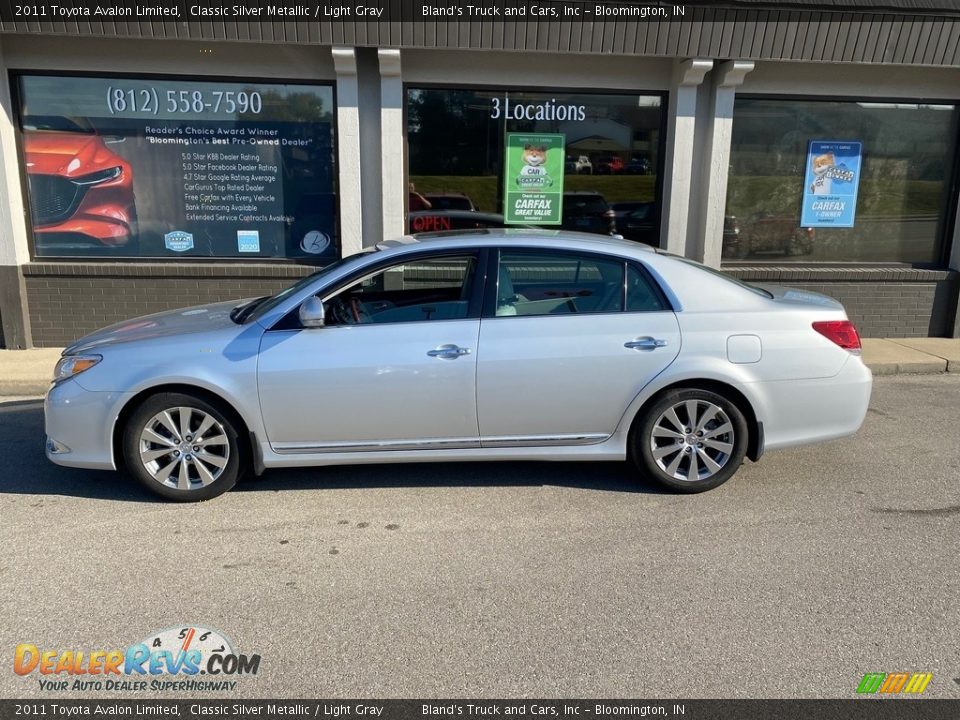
<point x="692" y="440"/>
<point x="184" y="448"/>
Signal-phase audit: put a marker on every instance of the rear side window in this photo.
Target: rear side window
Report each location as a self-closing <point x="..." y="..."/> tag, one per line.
<point x="531" y="283"/>
<point x="641" y="295"/>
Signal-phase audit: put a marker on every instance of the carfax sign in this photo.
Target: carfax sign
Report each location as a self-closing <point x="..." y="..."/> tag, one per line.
<point x="533" y="180"/>
<point x="831" y="183"/>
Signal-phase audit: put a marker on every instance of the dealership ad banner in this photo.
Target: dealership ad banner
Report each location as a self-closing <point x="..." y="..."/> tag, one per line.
<point x="831" y="183"/>
<point x="173" y="168"/>
<point x="533" y="180"/>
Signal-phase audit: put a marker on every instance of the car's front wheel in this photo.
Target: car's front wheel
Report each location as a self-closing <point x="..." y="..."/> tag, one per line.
<point x="690" y="440"/>
<point x="182" y="447"/>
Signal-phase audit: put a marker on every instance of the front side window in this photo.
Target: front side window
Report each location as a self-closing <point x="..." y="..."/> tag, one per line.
<point x="424" y="289"/>
<point x="123" y="167"/>
<point x="533" y="283"/>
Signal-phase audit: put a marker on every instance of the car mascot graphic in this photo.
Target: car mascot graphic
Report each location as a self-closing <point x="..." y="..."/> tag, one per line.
<point x="533" y="173"/>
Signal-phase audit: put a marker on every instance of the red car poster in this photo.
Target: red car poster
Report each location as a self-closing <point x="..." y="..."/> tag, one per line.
<point x="134" y="167"/>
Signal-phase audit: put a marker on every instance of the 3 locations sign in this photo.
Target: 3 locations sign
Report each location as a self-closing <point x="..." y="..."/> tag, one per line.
<point x="176" y="168"/>
<point x="533" y="183"/>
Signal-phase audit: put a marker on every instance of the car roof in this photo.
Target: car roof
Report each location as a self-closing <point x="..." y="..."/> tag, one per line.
<point x="518" y="237"/>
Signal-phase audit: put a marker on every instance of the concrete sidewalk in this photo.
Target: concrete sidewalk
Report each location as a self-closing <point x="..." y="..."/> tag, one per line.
<point x="28" y="372"/>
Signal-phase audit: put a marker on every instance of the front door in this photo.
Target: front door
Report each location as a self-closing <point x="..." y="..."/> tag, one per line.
<point x="394" y="368"/>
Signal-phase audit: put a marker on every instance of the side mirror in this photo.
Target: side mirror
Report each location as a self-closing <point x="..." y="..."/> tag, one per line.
<point x="312" y="313"/>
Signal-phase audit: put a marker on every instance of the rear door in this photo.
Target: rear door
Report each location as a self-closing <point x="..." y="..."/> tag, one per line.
<point x="567" y="340"/>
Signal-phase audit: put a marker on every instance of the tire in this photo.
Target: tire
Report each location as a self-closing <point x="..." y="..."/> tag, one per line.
<point x="189" y="471"/>
<point x="656" y="434"/>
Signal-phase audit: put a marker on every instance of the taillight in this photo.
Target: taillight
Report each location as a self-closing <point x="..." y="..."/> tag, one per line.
<point x="841" y="332"/>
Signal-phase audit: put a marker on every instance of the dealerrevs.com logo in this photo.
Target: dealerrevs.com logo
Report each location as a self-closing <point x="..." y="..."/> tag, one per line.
<point x="178" y="659"/>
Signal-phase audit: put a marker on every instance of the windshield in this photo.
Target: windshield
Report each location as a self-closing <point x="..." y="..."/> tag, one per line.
<point x="721" y="274"/>
<point x="57" y="123"/>
<point x="582" y="205"/>
<point x="261" y="306"/>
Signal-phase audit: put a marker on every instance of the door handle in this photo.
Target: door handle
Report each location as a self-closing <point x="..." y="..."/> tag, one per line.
<point x="448" y="352"/>
<point x="645" y="343"/>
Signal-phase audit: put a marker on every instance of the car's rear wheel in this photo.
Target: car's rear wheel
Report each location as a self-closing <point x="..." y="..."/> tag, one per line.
<point x="690" y="440"/>
<point x="182" y="447"/>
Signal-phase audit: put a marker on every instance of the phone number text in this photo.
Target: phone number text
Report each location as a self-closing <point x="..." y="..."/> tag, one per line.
<point x="121" y="100"/>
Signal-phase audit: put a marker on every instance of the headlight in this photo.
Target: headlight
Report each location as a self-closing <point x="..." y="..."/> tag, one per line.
<point x="98" y="177"/>
<point x="74" y="365"/>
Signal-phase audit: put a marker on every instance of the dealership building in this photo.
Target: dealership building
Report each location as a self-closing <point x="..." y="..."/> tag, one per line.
<point x="151" y="164"/>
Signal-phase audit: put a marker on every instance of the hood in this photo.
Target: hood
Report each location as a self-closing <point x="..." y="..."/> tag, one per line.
<point x="799" y="297"/>
<point x="67" y="154"/>
<point x="186" y="321"/>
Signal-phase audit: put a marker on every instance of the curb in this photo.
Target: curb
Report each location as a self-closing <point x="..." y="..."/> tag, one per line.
<point x="923" y="356"/>
<point x="24" y="388"/>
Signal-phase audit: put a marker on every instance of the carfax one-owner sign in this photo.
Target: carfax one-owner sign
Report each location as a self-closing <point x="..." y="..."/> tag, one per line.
<point x="831" y="183"/>
<point x="533" y="179"/>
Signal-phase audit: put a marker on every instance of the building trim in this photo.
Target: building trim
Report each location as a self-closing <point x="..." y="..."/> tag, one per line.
<point x="826" y="32"/>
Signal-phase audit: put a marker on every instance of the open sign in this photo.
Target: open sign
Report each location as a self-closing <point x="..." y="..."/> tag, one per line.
<point x="429" y="223"/>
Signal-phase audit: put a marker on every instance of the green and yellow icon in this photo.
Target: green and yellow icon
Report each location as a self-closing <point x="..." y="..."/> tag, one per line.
<point x="894" y="683"/>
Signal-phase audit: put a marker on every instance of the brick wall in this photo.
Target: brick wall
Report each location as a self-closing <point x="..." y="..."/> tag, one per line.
<point x="69" y="300"/>
<point x="882" y="302"/>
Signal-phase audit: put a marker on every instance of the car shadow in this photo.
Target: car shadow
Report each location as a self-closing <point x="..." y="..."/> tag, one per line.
<point x="30" y="473"/>
<point x="600" y="476"/>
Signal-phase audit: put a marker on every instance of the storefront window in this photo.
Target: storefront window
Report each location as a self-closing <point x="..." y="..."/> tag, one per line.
<point x="816" y="181"/>
<point x="173" y="168"/>
<point x="610" y="157"/>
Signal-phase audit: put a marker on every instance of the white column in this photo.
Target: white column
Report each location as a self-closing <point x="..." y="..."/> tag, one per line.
<point x="392" y="143"/>
<point x="14" y="246"/>
<point x="727" y="77"/>
<point x="348" y="150"/>
<point x="687" y="77"/>
<point x="954" y="240"/>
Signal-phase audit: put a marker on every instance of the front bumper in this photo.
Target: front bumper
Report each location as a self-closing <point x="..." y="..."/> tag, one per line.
<point x="79" y="425"/>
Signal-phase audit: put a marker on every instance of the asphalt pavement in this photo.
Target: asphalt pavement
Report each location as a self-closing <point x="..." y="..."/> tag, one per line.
<point x="807" y="570"/>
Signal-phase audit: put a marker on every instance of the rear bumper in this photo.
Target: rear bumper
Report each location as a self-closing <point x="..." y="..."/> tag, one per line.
<point x="800" y="412"/>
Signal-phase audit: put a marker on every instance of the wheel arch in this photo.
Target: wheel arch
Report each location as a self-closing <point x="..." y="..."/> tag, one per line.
<point x="754" y="425"/>
<point x="243" y="429"/>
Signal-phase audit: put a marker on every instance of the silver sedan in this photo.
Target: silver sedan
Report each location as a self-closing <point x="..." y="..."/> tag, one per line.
<point x="480" y="345"/>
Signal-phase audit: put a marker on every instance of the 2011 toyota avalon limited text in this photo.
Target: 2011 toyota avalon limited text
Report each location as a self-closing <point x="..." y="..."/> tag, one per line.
<point x="478" y="345"/>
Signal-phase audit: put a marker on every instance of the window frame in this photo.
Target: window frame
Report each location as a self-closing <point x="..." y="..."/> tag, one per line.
<point x="17" y="116"/>
<point x="493" y="271"/>
<point x="659" y="167"/>
<point x="291" y="320"/>
<point x="952" y="181"/>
